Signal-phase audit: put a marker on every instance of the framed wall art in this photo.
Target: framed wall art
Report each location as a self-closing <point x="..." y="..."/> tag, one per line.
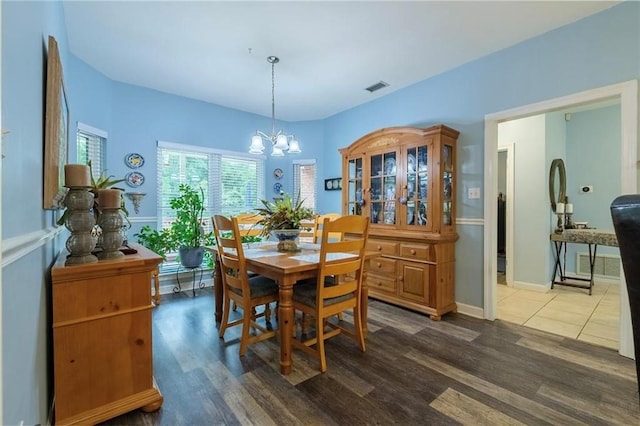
<point x="56" y="131"/>
<point x="333" y="184"/>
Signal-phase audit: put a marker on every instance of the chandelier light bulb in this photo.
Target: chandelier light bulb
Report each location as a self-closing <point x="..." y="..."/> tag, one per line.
<point x="277" y="152"/>
<point x="257" y="146"/>
<point x="281" y="142"/>
<point x="294" y="146"/>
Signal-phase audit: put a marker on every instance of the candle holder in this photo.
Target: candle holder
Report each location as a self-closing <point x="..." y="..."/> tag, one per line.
<point x="560" y="223"/>
<point x="111" y="224"/>
<point x="80" y="222"/>
<point x="568" y="221"/>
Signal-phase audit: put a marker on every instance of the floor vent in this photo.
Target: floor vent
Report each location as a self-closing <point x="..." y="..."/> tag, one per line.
<point x="607" y="266"/>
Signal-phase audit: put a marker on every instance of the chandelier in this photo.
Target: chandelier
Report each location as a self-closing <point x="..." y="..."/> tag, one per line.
<point x="279" y="140"/>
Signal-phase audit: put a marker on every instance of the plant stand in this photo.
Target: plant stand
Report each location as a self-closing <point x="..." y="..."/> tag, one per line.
<point x="194" y="271"/>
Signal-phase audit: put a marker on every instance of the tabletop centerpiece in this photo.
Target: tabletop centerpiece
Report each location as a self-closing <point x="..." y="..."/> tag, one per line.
<point x="281" y="218"/>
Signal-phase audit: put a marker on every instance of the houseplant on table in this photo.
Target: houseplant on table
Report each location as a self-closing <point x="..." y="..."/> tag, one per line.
<point x="281" y="219"/>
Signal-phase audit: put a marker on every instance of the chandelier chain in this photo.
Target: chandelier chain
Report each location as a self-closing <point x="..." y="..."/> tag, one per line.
<point x="273" y="98"/>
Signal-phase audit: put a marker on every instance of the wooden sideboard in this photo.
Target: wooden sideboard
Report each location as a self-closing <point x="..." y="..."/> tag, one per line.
<point x="404" y="179"/>
<point x="102" y="338"/>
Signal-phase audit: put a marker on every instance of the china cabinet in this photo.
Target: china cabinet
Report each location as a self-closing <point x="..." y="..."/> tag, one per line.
<point x="404" y="179"/>
<point x="102" y="346"/>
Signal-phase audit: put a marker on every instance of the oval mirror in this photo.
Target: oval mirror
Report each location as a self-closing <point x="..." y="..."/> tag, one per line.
<point x="557" y="185"/>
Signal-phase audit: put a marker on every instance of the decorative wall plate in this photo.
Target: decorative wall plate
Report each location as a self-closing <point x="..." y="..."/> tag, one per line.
<point x="134" y="160"/>
<point x="134" y="179"/>
<point x="277" y="187"/>
<point x="278" y="173"/>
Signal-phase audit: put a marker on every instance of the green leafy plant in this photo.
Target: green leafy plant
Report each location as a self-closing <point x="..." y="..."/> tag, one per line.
<point x="186" y="231"/>
<point x="283" y="213"/>
<point x="189" y="207"/>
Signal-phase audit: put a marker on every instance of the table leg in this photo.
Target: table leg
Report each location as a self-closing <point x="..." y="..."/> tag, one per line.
<point x="217" y="289"/>
<point x="592" y="262"/>
<point x="285" y="323"/>
<point x="557" y="266"/>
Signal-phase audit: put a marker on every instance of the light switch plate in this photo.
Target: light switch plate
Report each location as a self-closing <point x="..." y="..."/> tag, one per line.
<point x="473" y="193"/>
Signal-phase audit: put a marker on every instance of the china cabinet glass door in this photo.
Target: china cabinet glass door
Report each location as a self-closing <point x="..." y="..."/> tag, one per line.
<point x="383" y="184"/>
<point x="417" y="186"/>
<point x="447" y="184"/>
<point x="355" y="198"/>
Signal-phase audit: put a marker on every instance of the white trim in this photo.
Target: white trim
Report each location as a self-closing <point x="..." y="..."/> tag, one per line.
<point x="627" y="92"/>
<point x="469" y="221"/>
<point x="93" y="130"/>
<point x="472" y="311"/>
<point x="509" y="214"/>
<point x="143" y="219"/>
<point x="205" y="149"/>
<point x="522" y="285"/>
<point x="18" y="247"/>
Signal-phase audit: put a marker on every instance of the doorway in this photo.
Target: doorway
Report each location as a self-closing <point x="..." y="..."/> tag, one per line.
<point x="626" y="94"/>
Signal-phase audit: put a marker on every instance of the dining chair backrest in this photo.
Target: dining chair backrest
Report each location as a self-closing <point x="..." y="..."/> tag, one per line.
<point x="231" y="254"/>
<point x="247" y="224"/>
<point x="318" y="224"/>
<point x="334" y="266"/>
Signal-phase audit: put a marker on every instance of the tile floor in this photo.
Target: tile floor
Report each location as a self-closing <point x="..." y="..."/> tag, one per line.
<point x="566" y="311"/>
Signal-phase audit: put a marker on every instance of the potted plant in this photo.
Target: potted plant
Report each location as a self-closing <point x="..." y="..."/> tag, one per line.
<point x="281" y="219"/>
<point x="185" y="234"/>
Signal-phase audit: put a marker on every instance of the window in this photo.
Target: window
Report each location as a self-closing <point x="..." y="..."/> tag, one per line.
<point x="91" y="147"/>
<point x="233" y="182"/>
<point x="304" y="182"/>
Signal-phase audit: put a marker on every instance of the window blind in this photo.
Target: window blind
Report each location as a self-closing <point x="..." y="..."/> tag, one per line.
<point x="91" y="146"/>
<point x="232" y="182"/>
<point x="304" y="182"/>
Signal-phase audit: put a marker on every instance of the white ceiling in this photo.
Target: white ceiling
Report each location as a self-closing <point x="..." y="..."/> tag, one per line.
<point x="329" y="52"/>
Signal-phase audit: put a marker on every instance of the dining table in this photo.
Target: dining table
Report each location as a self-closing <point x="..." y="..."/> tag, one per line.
<point x="286" y="269"/>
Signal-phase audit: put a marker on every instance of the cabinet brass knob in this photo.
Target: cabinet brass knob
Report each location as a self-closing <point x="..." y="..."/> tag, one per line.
<point x="379" y="248"/>
<point x="379" y="265"/>
<point x="413" y="251"/>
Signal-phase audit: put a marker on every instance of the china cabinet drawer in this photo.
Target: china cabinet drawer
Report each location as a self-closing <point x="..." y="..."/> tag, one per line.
<point x="384" y="247"/>
<point x="416" y="251"/>
<point x="382" y="266"/>
<point x="379" y="283"/>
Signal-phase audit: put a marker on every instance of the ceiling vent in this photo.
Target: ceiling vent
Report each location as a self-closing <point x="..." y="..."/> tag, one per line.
<point x="377" y="86"/>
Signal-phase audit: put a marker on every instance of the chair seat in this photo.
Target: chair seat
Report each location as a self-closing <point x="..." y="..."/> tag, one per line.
<point x="259" y="286"/>
<point x="305" y="293"/>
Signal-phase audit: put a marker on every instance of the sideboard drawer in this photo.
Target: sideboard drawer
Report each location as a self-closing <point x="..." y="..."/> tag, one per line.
<point x="416" y="251"/>
<point x="384" y="247"/>
<point x="382" y="266"/>
<point x="379" y="283"/>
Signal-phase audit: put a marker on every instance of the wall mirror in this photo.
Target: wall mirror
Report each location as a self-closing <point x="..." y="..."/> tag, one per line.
<point x="56" y="130"/>
<point x="557" y="183"/>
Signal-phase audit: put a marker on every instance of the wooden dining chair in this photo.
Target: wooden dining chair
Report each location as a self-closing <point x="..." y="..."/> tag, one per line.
<point x="317" y="229"/>
<point x="247" y="223"/>
<point x="246" y="292"/>
<point x="337" y="288"/>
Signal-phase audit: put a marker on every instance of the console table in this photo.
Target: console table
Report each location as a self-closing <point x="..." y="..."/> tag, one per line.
<point x="591" y="237"/>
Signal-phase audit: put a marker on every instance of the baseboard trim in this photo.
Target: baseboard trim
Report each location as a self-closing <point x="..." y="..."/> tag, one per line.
<point x="542" y="288"/>
<point x="472" y="311"/>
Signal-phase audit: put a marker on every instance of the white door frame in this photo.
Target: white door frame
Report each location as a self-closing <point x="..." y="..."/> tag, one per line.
<point x="508" y="214"/>
<point x="627" y="93"/>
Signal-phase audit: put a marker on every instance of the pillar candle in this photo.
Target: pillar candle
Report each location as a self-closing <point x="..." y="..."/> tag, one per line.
<point x="568" y="208"/>
<point x="109" y="198"/>
<point x="560" y="208"/>
<point x="76" y="175"/>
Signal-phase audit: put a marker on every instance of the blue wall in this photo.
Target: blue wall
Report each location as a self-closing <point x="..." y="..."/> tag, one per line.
<point x="594" y="52"/>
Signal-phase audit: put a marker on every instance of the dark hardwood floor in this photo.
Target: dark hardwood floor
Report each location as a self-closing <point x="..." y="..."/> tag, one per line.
<point x="460" y="370"/>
